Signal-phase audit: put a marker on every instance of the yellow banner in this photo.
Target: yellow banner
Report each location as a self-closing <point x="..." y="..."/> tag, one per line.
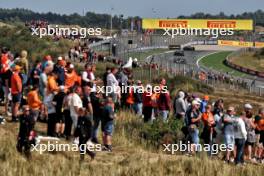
<point x="197" y="23"/>
<point x="235" y="43"/>
<point x="259" y="44"/>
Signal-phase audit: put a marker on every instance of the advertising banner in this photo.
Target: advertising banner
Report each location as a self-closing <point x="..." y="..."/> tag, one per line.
<point x="235" y="43"/>
<point x="197" y="23"/>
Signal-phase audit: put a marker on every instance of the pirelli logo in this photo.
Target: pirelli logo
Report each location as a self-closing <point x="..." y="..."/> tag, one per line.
<point x="221" y="24"/>
<point x="223" y="42"/>
<point x="173" y="24"/>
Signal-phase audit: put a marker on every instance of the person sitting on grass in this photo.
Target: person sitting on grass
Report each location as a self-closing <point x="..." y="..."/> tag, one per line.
<point x="26" y="135"/>
<point x="108" y="117"/>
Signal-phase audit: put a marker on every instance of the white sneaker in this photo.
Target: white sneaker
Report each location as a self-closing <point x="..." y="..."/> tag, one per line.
<point x="232" y="160"/>
<point x="76" y="141"/>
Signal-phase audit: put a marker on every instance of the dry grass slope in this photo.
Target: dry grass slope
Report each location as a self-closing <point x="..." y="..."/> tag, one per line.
<point x="130" y="157"/>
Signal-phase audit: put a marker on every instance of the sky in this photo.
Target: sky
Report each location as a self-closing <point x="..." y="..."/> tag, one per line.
<point x="142" y="8"/>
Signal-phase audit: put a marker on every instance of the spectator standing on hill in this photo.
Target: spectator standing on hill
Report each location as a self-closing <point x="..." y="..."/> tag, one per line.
<point x="204" y="103"/>
<point x="194" y="116"/>
<point x="229" y="136"/>
<point x="209" y="123"/>
<point x="240" y="134"/>
<point x="164" y="105"/>
<point x="112" y="85"/>
<point x="34" y="102"/>
<point x="6" y="74"/>
<point x="179" y="106"/>
<point x="75" y="104"/>
<point x="138" y="98"/>
<point x="108" y="116"/>
<point x="67" y="114"/>
<point x="50" y="113"/>
<point x="97" y="104"/>
<point x="59" y="69"/>
<point x="35" y="74"/>
<point x="16" y="91"/>
<point x="250" y="128"/>
<point x="259" y="121"/>
<point x="23" y="63"/>
<point x="26" y="134"/>
<point x="60" y="118"/>
<point x="147" y="103"/>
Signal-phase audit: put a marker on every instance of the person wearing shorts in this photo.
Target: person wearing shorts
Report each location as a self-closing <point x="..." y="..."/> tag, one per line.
<point x="16" y="91"/>
<point x="229" y="135"/>
<point x="108" y="123"/>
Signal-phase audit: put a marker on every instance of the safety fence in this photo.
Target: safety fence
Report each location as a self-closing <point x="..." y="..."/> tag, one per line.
<point x="162" y="63"/>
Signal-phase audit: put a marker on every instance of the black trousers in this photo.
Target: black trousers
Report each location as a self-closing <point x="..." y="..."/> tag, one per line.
<point x="147" y="112"/>
<point x="68" y="122"/>
<point x="83" y="147"/>
<point x="23" y="143"/>
<point x="51" y="124"/>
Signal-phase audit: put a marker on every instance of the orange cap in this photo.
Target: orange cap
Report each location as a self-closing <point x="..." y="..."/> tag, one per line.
<point x="206" y="97"/>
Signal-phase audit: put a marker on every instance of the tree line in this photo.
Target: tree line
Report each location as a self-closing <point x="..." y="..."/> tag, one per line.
<point x="103" y="20"/>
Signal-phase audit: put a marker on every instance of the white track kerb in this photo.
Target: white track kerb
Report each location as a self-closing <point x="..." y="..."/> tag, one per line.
<point x="198" y="60"/>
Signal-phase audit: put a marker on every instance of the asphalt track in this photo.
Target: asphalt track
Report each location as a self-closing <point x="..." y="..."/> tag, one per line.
<point x="193" y="58"/>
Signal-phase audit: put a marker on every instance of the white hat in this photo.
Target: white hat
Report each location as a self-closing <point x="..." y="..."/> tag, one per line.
<point x="195" y="102"/>
<point x="61" y="87"/>
<point x="248" y="106"/>
<point x="198" y="100"/>
<point x="135" y="60"/>
<point x="71" y="66"/>
<point x="59" y="58"/>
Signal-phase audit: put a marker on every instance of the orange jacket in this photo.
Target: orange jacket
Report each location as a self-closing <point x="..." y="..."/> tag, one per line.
<point x="70" y="79"/>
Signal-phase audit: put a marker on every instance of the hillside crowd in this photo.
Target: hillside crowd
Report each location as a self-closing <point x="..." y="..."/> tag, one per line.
<point x="75" y="103"/>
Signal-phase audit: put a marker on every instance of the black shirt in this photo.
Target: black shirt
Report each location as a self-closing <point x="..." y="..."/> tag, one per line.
<point x="26" y="125"/>
<point x="58" y="98"/>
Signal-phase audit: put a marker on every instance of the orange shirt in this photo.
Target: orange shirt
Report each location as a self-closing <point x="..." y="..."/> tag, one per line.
<point x="16" y="84"/>
<point x="260" y="124"/>
<point x="70" y="79"/>
<point x="52" y="84"/>
<point x="33" y="100"/>
<point x="208" y="118"/>
<point x="130" y="97"/>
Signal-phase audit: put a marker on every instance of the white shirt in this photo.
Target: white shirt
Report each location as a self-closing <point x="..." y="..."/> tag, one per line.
<point x="112" y="83"/>
<point x="75" y="101"/>
<point x="86" y="79"/>
<point x="240" y="129"/>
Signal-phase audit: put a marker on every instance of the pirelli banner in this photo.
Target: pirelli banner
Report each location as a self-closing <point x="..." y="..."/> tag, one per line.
<point x="197" y="23"/>
<point x="235" y="43"/>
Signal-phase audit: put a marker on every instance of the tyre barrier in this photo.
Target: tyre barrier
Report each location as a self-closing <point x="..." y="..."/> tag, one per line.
<point x="243" y="69"/>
